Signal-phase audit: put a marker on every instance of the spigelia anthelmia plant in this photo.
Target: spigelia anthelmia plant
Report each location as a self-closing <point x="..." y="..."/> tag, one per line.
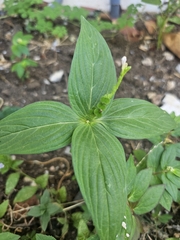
<point x="92" y="125"/>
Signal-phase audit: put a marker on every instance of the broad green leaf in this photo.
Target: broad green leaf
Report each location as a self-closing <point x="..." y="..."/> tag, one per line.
<point x="166" y="200"/>
<point x="173" y="178"/>
<point x="25" y="193"/>
<point x="175" y="19"/>
<point x="165" y="218"/>
<point x="139" y="154"/>
<point x="16" y="164"/>
<point x="53" y="208"/>
<point x="3" y="208"/>
<point x="83" y="230"/>
<point x="36" y="128"/>
<point x="100" y="169"/>
<point x="65" y="227"/>
<point x="141" y="183"/>
<point x="19" y="69"/>
<point x="45" y="198"/>
<point x="170" y="187"/>
<point x="93" y="237"/>
<point x="36" y="211"/>
<point x="136" y="119"/>
<point x="9" y="236"/>
<point x="168" y="156"/>
<point x="11" y="182"/>
<point x="149" y="200"/>
<point x="172" y="239"/>
<point x="169" y="28"/>
<point x="132" y="230"/>
<point x="153" y="162"/>
<point x="92" y="71"/>
<point x="176" y="171"/>
<point x="44" y="220"/>
<point x="7" y="110"/>
<point x="178" y="197"/>
<point x="131" y="174"/>
<point x="42" y="180"/>
<point x="177" y="145"/>
<point x="44" y="237"/>
<point x="62" y="194"/>
<point x="153" y="2"/>
<point x="154" y="156"/>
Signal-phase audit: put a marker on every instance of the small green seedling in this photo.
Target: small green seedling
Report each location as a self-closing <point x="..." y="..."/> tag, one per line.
<point x="167" y="19"/>
<point x="45" y="210"/>
<point x="92" y="124"/>
<point x="12" y="236"/>
<point x="20" y="52"/>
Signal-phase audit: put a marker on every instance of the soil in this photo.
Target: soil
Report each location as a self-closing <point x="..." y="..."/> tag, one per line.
<point x="143" y="82"/>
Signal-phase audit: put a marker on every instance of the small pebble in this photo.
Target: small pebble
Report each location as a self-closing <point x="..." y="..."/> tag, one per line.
<point x="178" y="68"/>
<point x="171" y="104"/>
<point x="27" y="179"/>
<point x="36" y="58"/>
<point x="52" y="169"/>
<point x="152" y="78"/>
<point x="67" y="151"/>
<point x="46" y="82"/>
<point x="155" y="98"/>
<point x="118" y="62"/>
<point x="56" y="76"/>
<point x="168" y="56"/>
<point x="33" y="85"/>
<point x="147" y="62"/>
<point x="171" y="85"/>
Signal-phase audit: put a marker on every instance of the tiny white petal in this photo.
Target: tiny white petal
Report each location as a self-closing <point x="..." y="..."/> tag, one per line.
<point x="127" y="235"/>
<point x="123" y="60"/>
<point x="1" y="165"/>
<point x="124" y="225"/>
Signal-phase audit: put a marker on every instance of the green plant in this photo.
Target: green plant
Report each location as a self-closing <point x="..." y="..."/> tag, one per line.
<point x="167" y="19"/>
<point x="20" y="52"/>
<point x="42" y="19"/>
<point x="91" y="125"/>
<point x="45" y="209"/>
<point x="11" y="236"/>
<point x="127" y="18"/>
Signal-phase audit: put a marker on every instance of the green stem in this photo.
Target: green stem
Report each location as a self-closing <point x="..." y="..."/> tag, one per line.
<point x="106" y="99"/>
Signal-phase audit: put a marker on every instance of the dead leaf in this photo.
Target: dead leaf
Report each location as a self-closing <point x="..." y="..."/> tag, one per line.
<point x="131" y="34"/>
<point x="150" y="26"/>
<point x="172" y="41"/>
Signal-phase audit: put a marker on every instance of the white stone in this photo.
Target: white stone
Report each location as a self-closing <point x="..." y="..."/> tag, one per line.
<point x="36" y="58"/>
<point x="178" y="68"/>
<point x="46" y="82"/>
<point x="171" y="85"/>
<point x="67" y="151"/>
<point x="168" y="56"/>
<point x="55" y="44"/>
<point x="56" y="76"/>
<point x="147" y="62"/>
<point x="171" y="104"/>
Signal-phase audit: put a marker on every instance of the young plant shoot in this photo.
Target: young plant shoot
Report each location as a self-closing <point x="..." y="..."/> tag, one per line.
<point x="91" y="125"/>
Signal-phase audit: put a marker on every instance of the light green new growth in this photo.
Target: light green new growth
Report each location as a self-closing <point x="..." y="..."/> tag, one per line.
<point x="105" y="100"/>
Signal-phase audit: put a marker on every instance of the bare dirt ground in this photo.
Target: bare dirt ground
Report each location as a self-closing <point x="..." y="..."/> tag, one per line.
<point x="143" y="82"/>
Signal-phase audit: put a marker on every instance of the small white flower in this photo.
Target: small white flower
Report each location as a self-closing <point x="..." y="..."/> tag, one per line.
<point x="125" y="217"/>
<point x="124" y="225"/>
<point x="127" y="235"/>
<point x="1" y="165"/>
<point x="123" y="60"/>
